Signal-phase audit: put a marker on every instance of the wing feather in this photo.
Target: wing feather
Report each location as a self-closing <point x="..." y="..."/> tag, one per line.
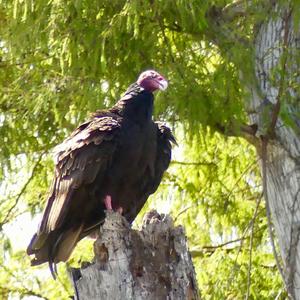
<point x="153" y="176"/>
<point x="165" y="139"/>
<point x="79" y="159"/>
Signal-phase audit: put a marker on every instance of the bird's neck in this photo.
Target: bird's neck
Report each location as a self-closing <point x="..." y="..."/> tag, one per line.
<point x="136" y="105"/>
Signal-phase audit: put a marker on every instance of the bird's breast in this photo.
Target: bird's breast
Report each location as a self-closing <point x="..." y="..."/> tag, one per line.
<point x="135" y="153"/>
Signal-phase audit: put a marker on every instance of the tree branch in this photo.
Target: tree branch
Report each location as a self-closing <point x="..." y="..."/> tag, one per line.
<point x="212" y="248"/>
<point x="234" y="10"/>
<point x="245" y="131"/>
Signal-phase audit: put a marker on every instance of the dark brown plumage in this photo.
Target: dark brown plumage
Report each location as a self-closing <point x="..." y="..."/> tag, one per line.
<point x="115" y="160"/>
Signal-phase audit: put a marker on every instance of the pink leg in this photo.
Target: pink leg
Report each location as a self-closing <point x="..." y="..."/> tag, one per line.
<point x="107" y="202"/>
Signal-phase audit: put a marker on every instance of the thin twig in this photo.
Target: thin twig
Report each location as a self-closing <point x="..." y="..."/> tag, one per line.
<point x="182" y="212"/>
<point x="241" y="177"/>
<point x="166" y="40"/>
<point x="18" y="197"/>
<point x="242" y="239"/>
<point x="196" y="163"/>
<point x="251" y="247"/>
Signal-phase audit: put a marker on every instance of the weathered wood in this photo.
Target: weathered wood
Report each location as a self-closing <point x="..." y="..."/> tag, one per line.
<point x="153" y="263"/>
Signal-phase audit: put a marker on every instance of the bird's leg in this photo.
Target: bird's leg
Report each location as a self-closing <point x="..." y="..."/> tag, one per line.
<point x="108" y="205"/>
<point x="107" y="202"/>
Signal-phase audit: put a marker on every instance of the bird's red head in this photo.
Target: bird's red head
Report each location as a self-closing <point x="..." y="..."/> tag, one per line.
<point x="151" y="80"/>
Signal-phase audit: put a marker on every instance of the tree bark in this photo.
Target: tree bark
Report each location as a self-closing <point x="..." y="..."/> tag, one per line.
<point x="275" y="47"/>
<point x="153" y="263"/>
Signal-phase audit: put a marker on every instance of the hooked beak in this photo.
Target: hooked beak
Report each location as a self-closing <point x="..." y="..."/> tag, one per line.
<point x="163" y="84"/>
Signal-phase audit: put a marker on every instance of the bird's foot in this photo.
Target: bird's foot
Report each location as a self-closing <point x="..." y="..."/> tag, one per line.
<point x="120" y="210"/>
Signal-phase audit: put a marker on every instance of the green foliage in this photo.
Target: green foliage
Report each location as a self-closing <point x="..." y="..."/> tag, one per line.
<point x="218" y="200"/>
<point x="60" y="60"/>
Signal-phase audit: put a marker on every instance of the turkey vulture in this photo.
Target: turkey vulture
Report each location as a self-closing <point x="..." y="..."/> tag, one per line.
<point x="114" y="161"/>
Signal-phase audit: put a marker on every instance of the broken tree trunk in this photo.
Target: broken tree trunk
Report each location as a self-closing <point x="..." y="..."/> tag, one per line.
<point x="153" y="263"/>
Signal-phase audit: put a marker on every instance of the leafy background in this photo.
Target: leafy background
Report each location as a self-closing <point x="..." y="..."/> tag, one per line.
<point x="61" y="60"/>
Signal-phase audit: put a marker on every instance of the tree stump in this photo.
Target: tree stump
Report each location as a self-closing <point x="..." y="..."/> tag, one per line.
<point x="153" y="263"/>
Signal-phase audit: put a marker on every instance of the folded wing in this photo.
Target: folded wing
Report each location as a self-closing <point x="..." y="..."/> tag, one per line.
<point x="85" y="155"/>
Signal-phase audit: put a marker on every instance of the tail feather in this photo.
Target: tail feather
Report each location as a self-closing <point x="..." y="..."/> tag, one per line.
<point x="64" y="247"/>
<point x="53" y="247"/>
<point x="36" y="243"/>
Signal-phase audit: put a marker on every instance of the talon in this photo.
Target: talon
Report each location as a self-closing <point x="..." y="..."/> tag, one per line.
<point x="120" y="210"/>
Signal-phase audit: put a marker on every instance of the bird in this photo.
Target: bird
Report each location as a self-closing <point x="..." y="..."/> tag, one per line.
<point x="112" y="162"/>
